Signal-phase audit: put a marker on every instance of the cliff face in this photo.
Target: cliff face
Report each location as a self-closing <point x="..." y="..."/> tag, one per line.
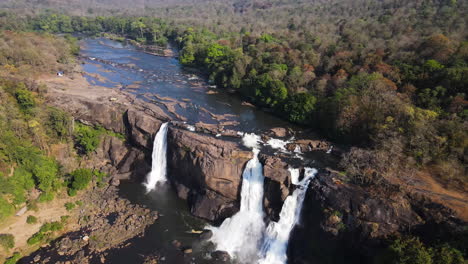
<point x="207" y="172"/>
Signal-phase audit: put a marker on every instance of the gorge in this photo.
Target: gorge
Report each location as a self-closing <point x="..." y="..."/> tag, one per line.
<point x="205" y="136"/>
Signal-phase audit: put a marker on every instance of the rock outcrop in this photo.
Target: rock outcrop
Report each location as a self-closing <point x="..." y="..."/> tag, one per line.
<point x="211" y="169"/>
<point x="356" y="220"/>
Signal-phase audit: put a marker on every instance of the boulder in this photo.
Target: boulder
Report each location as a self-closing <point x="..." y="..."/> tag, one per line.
<point x="278" y="132"/>
<point x="222" y="256"/>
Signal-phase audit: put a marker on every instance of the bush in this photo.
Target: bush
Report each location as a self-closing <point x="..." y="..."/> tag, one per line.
<point x="69" y="206"/>
<point x="445" y="254"/>
<point x="6" y="209"/>
<point x="7" y="241"/>
<point x="25" y="100"/>
<point x="13" y="259"/>
<point x="31" y="219"/>
<point x="409" y="251"/>
<point x="64" y="219"/>
<point x="71" y="192"/>
<point x="36" y="238"/>
<point x="87" y="138"/>
<point x="81" y="178"/>
<point x="59" y="122"/>
<point x="46" y="197"/>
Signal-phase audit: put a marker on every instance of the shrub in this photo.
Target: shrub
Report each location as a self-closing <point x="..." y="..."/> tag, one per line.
<point x="72" y="192"/>
<point x="6" y="209"/>
<point x="86" y="138"/>
<point x="69" y="206"/>
<point x="13" y="259"/>
<point x="31" y="219"/>
<point x="36" y="238"/>
<point x="64" y="219"/>
<point x="46" y="197"/>
<point x="7" y="241"/>
<point x="59" y="123"/>
<point x="81" y="178"/>
<point x="409" y="251"/>
<point x="445" y="254"/>
<point x="25" y="100"/>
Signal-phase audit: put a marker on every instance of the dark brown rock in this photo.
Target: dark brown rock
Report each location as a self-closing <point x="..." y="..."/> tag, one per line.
<point x="279" y="132"/>
<point x="141" y="128"/>
<point x="209" y="167"/>
<point x="220" y="256"/>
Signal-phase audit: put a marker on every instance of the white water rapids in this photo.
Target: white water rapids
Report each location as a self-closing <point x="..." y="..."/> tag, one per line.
<point x="159" y="159"/>
<point x="241" y="234"/>
<point x="244" y="236"/>
<point x="277" y="233"/>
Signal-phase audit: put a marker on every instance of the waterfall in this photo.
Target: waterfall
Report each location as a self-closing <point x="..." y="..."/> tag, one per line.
<point x="241" y="235"/>
<point x="159" y="159"/>
<point x="276" y="239"/>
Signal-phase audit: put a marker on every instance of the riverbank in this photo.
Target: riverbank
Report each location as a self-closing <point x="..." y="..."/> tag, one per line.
<point x="206" y="163"/>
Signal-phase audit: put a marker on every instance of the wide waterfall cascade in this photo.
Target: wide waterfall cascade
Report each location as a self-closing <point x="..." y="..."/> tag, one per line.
<point x="159" y="159"/>
<point x="276" y="239"/>
<point x="241" y="234"/>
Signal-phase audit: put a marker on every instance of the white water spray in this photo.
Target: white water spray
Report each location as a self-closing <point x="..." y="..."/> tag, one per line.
<point x="277" y="233"/>
<point x="241" y="235"/>
<point x="159" y="159"/>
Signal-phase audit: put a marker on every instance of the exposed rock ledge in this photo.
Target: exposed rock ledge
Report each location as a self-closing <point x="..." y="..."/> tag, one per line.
<point x="207" y="172"/>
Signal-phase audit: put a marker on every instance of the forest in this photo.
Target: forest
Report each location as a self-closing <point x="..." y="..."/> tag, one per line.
<point x="384" y="79"/>
<point x="387" y="78"/>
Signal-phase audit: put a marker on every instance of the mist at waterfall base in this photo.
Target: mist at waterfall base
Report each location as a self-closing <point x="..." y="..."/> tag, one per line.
<point x="244" y="235"/>
<point x="241" y="235"/>
<point x="276" y="239"/>
<point x="159" y="159"/>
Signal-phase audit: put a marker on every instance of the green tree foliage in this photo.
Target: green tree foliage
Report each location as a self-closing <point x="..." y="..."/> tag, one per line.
<point x="300" y="107"/>
<point x="59" y="123"/>
<point x="13" y="259"/>
<point x="25" y="100"/>
<point x="69" y="206"/>
<point x="7" y="241"/>
<point x="87" y="138"/>
<point x="410" y="250"/>
<point x="46" y="231"/>
<point x="6" y="209"/>
<point x="81" y="178"/>
<point x="31" y="219"/>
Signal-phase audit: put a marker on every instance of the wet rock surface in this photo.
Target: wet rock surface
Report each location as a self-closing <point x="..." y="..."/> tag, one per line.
<point x="106" y="222"/>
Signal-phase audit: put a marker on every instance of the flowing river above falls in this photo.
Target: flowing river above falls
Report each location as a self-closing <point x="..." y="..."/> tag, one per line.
<point x="153" y="78"/>
<point x="186" y="97"/>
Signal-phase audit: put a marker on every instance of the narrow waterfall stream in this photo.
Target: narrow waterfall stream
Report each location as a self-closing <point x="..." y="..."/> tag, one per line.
<point x="159" y="159"/>
<point x="276" y="239"/>
<point x="241" y="234"/>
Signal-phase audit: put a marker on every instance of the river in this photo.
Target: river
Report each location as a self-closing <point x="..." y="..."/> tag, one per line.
<point x="186" y="97"/>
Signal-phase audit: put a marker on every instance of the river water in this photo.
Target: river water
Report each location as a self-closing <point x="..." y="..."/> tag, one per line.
<point x="154" y="79"/>
<point x="163" y="79"/>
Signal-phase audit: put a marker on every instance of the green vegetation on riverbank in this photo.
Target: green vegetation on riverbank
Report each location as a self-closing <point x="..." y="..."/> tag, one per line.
<point x="387" y="78"/>
<point x="408" y="108"/>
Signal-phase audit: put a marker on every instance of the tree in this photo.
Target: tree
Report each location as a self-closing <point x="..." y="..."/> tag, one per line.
<point x="299" y="107"/>
<point x="409" y="251"/>
<point x="81" y="178"/>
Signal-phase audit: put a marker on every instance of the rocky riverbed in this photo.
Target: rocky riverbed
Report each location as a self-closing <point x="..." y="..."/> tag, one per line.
<point x="206" y="163"/>
<point x="106" y="221"/>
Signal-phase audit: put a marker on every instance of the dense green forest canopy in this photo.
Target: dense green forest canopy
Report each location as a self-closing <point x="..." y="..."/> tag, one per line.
<point x="389" y="76"/>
